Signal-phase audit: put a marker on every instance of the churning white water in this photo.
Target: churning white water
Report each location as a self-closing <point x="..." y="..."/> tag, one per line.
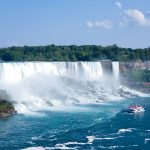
<point x="43" y="85"/>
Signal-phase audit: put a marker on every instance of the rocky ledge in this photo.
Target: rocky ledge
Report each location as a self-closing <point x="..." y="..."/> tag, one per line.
<point x="6" y="109"/>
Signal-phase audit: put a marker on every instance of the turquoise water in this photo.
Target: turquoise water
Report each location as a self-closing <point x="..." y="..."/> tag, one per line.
<point x="82" y="127"/>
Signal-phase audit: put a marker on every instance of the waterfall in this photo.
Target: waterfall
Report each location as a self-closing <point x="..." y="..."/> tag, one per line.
<point x="14" y="72"/>
<point x="92" y="70"/>
<point x="40" y="85"/>
<point x="34" y="86"/>
<point x="115" y="69"/>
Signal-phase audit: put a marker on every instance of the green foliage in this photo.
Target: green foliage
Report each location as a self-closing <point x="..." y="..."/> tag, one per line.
<point x="138" y="75"/>
<point x="73" y="53"/>
<point x="5" y="106"/>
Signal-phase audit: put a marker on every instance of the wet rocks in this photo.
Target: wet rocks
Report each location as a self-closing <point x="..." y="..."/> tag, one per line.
<point x="6" y="109"/>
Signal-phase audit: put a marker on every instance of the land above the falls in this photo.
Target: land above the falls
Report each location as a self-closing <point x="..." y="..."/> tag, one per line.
<point x="74" y="53"/>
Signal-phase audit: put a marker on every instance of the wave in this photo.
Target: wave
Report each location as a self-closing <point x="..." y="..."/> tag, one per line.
<point x="35" y="148"/>
<point x="126" y="130"/>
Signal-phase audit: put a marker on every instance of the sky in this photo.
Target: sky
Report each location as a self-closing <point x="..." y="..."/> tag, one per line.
<point x="79" y="22"/>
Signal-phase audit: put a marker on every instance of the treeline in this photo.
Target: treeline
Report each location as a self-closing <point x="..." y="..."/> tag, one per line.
<point x="73" y="53"/>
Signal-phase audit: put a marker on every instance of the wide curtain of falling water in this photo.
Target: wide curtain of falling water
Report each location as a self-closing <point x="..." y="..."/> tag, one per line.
<point x="40" y="85"/>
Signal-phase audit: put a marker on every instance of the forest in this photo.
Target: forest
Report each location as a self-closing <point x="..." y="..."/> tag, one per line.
<point x="73" y="53"/>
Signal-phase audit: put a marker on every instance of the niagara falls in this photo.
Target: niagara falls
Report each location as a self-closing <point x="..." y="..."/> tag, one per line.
<point x="86" y="93"/>
<point x="49" y="85"/>
<point x="74" y="75"/>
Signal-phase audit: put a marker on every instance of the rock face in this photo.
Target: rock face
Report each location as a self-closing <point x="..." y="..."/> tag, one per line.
<point x="135" y="65"/>
<point x="6" y="107"/>
<point x="136" y="75"/>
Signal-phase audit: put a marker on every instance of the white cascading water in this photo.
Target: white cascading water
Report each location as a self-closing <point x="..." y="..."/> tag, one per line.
<point x="39" y="85"/>
<point x="115" y="68"/>
<point x="14" y="72"/>
<point x="35" y="86"/>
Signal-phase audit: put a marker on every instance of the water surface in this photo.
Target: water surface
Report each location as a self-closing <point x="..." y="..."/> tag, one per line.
<point x="81" y="127"/>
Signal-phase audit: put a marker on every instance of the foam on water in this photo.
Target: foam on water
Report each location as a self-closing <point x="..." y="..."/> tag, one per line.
<point x="75" y="143"/>
<point x="58" y="146"/>
<point x="124" y="130"/>
<point x="147" y="140"/>
<point x="90" y="139"/>
<point x="35" y="148"/>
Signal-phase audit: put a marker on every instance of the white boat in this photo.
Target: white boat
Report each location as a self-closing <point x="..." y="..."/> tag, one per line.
<point x="136" y="109"/>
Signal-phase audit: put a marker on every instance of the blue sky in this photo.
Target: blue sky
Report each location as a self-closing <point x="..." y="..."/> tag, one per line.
<point x="65" y="22"/>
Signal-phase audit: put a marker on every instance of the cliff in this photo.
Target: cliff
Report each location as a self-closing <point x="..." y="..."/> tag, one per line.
<point x="6" y="107"/>
<point x="136" y="75"/>
<point x="134" y="65"/>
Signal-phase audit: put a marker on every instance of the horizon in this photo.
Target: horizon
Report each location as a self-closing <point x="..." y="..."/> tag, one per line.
<point x="72" y="45"/>
<point x="41" y="23"/>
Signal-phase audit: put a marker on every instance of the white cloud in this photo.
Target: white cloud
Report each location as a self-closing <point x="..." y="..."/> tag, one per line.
<point x="89" y="24"/>
<point x="100" y="24"/>
<point x="104" y="24"/>
<point x="137" y="17"/>
<point x="119" y="5"/>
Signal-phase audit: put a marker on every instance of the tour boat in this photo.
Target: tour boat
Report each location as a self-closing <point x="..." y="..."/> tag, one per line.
<point x="136" y="109"/>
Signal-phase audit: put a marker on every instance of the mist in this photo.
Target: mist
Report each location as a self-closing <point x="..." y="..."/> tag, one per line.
<point x="34" y="86"/>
